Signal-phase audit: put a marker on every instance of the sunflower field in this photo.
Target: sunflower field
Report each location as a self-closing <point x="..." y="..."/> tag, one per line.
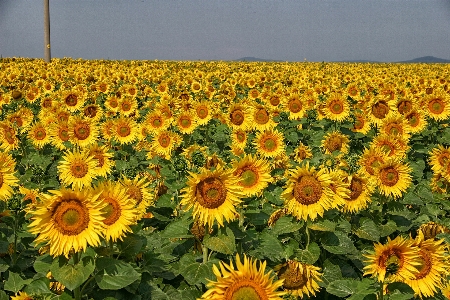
<point x="224" y="180"/>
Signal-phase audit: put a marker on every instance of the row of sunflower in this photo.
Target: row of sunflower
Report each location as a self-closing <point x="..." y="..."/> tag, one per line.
<point x="144" y="178"/>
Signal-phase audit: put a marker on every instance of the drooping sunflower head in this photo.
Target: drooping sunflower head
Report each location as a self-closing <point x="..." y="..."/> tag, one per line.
<point x="300" y="279"/>
<point x="371" y="160"/>
<point x="439" y="158"/>
<point x="213" y="195"/>
<point x="248" y="281"/>
<point x="104" y="158"/>
<point x="335" y="141"/>
<point x="302" y="152"/>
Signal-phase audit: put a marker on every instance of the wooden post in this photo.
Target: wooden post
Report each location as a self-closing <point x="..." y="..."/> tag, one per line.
<point x="47" y="56"/>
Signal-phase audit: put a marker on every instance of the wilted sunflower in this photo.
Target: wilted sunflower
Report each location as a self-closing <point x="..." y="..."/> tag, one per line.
<point x="253" y="173"/>
<point x="8" y="137"/>
<point x="125" y="130"/>
<point x="68" y="220"/>
<point x="138" y="191"/>
<point x="82" y="132"/>
<point x="300" y="279"/>
<point x="212" y="195"/>
<point x="302" y="152"/>
<point x="336" y="107"/>
<point x="7" y="177"/>
<point x="439" y="184"/>
<point x="397" y="260"/>
<point x="164" y="142"/>
<point x="393" y="178"/>
<point x="433" y="266"/>
<point x="105" y="160"/>
<point x="248" y="281"/>
<point x="269" y="143"/>
<point x="431" y="229"/>
<point x="308" y="193"/>
<point x="77" y="169"/>
<point x="335" y="141"/>
<point x="119" y="212"/>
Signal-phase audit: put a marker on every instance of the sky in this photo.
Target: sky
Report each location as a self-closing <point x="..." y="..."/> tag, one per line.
<point x="286" y="30"/>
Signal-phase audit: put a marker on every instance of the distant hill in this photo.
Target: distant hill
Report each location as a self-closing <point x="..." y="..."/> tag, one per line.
<point x="426" y="59"/>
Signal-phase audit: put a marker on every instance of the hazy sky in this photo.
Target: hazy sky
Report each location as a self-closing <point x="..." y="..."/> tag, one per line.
<point x="289" y="30"/>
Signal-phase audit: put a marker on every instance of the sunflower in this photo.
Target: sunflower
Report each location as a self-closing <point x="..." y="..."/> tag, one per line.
<point x="68" y="220"/>
<point x="59" y="133"/>
<point x="119" y="211"/>
<point x="29" y="194"/>
<point x="239" y="138"/>
<point x="379" y="108"/>
<point x="392" y="146"/>
<point x="439" y="158"/>
<point x="395" y="261"/>
<point x="416" y="120"/>
<point x="393" y="178"/>
<point x="8" y="137"/>
<point x="72" y="100"/>
<point x="21" y="119"/>
<point x="308" y="193"/>
<point x="302" y="152"/>
<point x="22" y="296"/>
<point x="112" y="103"/>
<point x="300" y="279"/>
<point x="77" y="169"/>
<point x="39" y="135"/>
<point x="269" y="143"/>
<point x="262" y="119"/>
<point x="155" y="122"/>
<point x="7" y="177"/>
<point x="93" y="112"/>
<point x="335" y="141"/>
<point x="203" y="112"/>
<point x="127" y="106"/>
<point x="437" y="105"/>
<point x="239" y="117"/>
<point x="185" y="122"/>
<point x="336" y="107"/>
<point x="361" y="123"/>
<point x="360" y="192"/>
<point x="105" y="159"/>
<point x="431" y="229"/>
<point x="137" y="190"/>
<point x="295" y="106"/>
<point x="82" y="131"/>
<point x="253" y="173"/>
<point x="125" y="130"/>
<point x="164" y="142"/>
<point x="395" y="125"/>
<point x="439" y="184"/>
<point x="248" y="281"/>
<point x="433" y="265"/>
<point x="213" y="195"/>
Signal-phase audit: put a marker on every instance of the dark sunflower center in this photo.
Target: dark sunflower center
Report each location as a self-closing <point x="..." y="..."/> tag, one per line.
<point x="237" y="117"/>
<point x="295" y="106"/>
<point x="124" y="130"/>
<point x="70" y="217"/>
<point x="394" y="129"/>
<point x="82" y="131"/>
<point x="111" y="212"/>
<point x="164" y="140"/>
<point x="333" y="143"/>
<point x="294" y="278"/>
<point x="391" y="260"/>
<point x="113" y="103"/>
<point x="426" y="264"/>
<point x="63" y="133"/>
<point x="436" y="106"/>
<point x="336" y="107"/>
<point x="79" y="169"/>
<point x="380" y="109"/>
<point x="404" y="107"/>
<point x="240" y="136"/>
<point x="307" y="190"/>
<point x="135" y="193"/>
<point x="47" y="103"/>
<point x="71" y="100"/>
<point x="249" y="177"/>
<point x="270" y="144"/>
<point x="185" y="122"/>
<point x="98" y="155"/>
<point x="63" y="117"/>
<point x="17" y="120"/>
<point x="274" y="100"/>
<point x="413" y="119"/>
<point x="40" y="134"/>
<point x="356" y="188"/>
<point x="389" y="176"/>
<point x="90" y="111"/>
<point x="202" y="112"/>
<point x="126" y="106"/>
<point x="245" y="289"/>
<point x="211" y="192"/>
<point x="157" y="122"/>
<point x="262" y="116"/>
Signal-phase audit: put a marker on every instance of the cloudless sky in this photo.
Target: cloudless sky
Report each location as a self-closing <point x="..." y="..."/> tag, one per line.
<point x="288" y="30"/>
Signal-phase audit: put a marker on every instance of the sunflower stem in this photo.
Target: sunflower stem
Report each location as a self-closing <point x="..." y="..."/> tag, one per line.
<point x="381" y="291"/>
<point x="205" y="254"/>
<point x="307" y="236"/>
<point x="76" y="292"/>
<point x="111" y="247"/>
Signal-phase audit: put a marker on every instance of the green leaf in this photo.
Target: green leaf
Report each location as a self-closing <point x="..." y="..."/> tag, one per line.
<point x="73" y="275"/>
<point x="368" y="230"/>
<point x="3" y="296"/>
<point x="400" y="291"/>
<point x="310" y="255"/>
<point x="43" y="263"/>
<point x="269" y="247"/>
<point x="365" y="287"/>
<point x="324" y="225"/>
<point x="286" y="225"/>
<point x="342" y="288"/>
<point x="15" y="283"/>
<point x="114" y="274"/>
<point x="273" y="196"/>
<point x="178" y="229"/>
<point x="3" y="266"/>
<point x="338" y="243"/>
<point x="131" y="244"/>
<point x="224" y="242"/>
<point x="388" y="228"/>
<point x="39" y="286"/>
<point x="195" y="272"/>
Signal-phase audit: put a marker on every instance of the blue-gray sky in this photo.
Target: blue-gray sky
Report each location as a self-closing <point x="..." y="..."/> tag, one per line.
<point x="288" y="30"/>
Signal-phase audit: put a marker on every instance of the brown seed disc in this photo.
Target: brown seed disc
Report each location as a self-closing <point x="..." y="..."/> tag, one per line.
<point x="71" y="100"/>
<point x="389" y="176"/>
<point x="63" y="133"/>
<point x="426" y="264"/>
<point x="294" y="278"/>
<point x="245" y="289"/>
<point x="237" y="117"/>
<point x="79" y="169"/>
<point x="248" y="176"/>
<point x="262" y="116"/>
<point x="436" y="106"/>
<point x="40" y="134"/>
<point x="413" y="119"/>
<point x="135" y="193"/>
<point x="91" y="111"/>
<point x="210" y="192"/>
<point x="380" y="109"/>
<point x="82" y="131"/>
<point x="70" y="217"/>
<point x="164" y="140"/>
<point x="274" y="100"/>
<point x="123" y="130"/>
<point x="184" y="121"/>
<point x="307" y="190"/>
<point x="202" y="111"/>
<point x="336" y="106"/>
<point x="404" y="106"/>
<point x="295" y="106"/>
<point x="112" y="211"/>
<point x="356" y="188"/>
<point x="333" y="143"/>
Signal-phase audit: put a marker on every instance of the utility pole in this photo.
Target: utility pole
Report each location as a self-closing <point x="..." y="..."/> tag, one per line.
<point x="47" y="56"/>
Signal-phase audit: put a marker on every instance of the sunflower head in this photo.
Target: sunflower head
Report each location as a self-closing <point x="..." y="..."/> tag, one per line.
<point x="300" y="279"/>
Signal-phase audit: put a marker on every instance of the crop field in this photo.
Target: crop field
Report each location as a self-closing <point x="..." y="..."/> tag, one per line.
<point x="224" y="180"/>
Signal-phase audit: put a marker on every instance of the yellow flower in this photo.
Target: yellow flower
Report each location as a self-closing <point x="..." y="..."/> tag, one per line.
<point x="7" y="177"/>
<point x="248" y="281"/>
<point x="125" y="130"/>
<point x="336" y="107"/>
<point x="300" y="279"/>
<point x="269" y="143"/>
<point x="393" y="178"/>
<point x="77" y="169"/>
<point x="253" y="173"/>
